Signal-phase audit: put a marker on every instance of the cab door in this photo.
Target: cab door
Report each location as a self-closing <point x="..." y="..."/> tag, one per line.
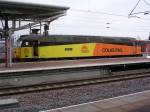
<point x="35" y="49"/>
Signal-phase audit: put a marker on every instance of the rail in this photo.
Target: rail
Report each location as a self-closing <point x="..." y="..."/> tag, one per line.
<point x="50" y="86"/>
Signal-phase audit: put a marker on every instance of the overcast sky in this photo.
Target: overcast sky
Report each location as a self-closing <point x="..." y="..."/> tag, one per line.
<point x="100" y="17"/>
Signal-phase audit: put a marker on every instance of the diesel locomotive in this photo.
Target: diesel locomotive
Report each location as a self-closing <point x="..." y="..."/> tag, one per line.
<point x="40" y="47"/>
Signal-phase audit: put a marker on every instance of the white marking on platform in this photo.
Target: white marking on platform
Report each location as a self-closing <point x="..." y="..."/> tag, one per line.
<point x="95" y="101"/>
<point x="6" y="102"/>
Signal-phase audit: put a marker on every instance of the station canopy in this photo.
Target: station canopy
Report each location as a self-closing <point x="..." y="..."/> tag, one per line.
<point x="28" y="11"/>
<point x="21" y="11"/>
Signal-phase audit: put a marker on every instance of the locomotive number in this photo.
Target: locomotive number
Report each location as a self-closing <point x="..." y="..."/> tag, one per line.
<point x="68" y="49"/>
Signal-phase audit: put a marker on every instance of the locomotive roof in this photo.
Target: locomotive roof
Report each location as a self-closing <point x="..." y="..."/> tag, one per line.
<point x="71" y="39"/>
<point x="50" y="37"/>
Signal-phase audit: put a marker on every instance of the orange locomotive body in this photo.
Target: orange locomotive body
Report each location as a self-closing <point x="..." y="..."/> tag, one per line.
<point x="102" y="49"/>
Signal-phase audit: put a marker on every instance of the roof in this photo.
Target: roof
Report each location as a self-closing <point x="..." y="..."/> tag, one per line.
<point x="28" y="11"/>
<point x="41" y="37"/>
<point x="77" y="39"/>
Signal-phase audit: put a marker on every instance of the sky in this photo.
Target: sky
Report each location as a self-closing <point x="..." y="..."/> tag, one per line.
<point x="100" y="17"/>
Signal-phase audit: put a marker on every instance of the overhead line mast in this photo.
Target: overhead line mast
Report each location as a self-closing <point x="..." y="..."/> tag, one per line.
<point x="132" y="13"/>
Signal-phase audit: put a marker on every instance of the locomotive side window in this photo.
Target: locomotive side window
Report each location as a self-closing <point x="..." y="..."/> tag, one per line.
<point x="27" y="43"/>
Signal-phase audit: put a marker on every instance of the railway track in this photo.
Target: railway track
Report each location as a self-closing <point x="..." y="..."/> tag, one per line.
<point x="50" y="86"/>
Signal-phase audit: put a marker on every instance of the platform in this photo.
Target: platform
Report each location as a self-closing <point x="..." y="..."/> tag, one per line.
<point x="137" y="102"/>
<point x="49" y="65"/>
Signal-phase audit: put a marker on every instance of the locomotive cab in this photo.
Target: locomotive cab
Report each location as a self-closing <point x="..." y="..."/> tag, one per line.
<point x="31" y="45"/>
<point x="27" y="49"/>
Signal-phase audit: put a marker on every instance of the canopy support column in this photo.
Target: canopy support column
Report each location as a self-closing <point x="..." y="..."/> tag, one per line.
<point x="8" y="50"/>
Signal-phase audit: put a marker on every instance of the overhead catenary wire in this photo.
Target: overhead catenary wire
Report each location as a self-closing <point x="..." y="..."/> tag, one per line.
<point x="102" y="21"/>
<point x="97" y="12"/>
<point x="100" y="28"/>
<point x="105" y="13"/>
